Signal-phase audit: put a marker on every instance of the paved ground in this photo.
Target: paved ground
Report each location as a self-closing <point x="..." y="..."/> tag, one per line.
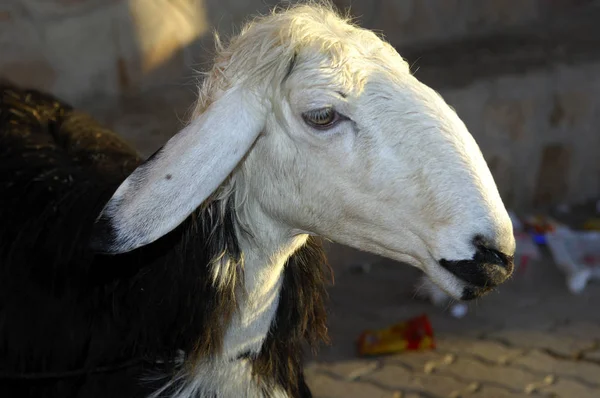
<point x="531" y="338"/>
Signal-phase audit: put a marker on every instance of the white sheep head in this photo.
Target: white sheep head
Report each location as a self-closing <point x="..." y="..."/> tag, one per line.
<point x="323" y="130"/>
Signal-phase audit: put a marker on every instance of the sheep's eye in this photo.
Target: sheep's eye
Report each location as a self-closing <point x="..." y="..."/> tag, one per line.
<point x="322" y="118"/>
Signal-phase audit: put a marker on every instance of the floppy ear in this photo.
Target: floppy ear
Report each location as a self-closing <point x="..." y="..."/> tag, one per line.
<point x="162" y="192"/>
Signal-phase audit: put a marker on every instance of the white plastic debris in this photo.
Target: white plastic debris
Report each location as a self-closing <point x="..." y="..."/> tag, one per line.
<point x="526" y="249"/>
<point x="459" y="310"/>
<point x="577" y="254"/>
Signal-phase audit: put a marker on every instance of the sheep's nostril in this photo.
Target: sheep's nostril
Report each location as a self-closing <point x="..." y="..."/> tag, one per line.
<point x="498" y="257"/>
<point x="486" y="255"/>
<point x="488" y="251"/>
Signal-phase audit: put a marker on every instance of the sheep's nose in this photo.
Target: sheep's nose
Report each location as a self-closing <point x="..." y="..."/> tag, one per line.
<point x="487" y="269"/>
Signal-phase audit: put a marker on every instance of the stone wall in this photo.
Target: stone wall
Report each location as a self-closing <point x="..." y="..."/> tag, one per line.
<point x="533" y="108"/>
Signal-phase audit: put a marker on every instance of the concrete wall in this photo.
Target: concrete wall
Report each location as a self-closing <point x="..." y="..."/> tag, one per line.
<point x="539" y="132"/>
<point x="408" y="22"/>
<point x="537" y="127"/>
<point x="80" y="47"/>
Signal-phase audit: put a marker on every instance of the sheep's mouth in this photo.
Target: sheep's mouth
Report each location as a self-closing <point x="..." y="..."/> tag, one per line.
<point x="486" y="270"/>
<point x="455" y="284"/>
<point x="472" y="292"/>
<point x="459" y="289"/>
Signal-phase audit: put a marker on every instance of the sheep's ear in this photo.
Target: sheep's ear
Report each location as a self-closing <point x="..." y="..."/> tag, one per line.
<point x="162" y="192"/>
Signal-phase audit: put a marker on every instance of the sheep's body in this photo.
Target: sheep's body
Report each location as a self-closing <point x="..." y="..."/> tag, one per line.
<point x="64" y="309"/>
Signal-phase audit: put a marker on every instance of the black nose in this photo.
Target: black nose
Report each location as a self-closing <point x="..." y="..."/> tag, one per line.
<point x="487" y="269"/>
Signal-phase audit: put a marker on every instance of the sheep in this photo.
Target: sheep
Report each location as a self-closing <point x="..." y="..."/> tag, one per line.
<point x="199" y="272"/>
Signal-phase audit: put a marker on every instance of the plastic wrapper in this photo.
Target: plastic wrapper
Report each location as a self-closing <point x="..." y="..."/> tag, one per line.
<point x="538" y="227"/>
<point x="577" y="254"/>
<point x="415" y="334"/>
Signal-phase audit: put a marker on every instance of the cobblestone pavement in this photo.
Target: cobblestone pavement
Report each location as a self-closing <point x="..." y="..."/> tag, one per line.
<point x="529" y="339"/>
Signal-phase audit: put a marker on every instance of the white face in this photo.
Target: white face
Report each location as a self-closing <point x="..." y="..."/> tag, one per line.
<point x="338" y="140"/>
<point x="393" y="170"/>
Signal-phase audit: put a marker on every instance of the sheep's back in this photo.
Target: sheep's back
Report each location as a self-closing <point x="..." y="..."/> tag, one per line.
<point x="57" y="168"/>
<point x="45" y="140"/>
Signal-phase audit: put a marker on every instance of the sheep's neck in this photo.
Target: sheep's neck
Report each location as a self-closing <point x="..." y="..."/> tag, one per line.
<point x="265" y="255"/>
